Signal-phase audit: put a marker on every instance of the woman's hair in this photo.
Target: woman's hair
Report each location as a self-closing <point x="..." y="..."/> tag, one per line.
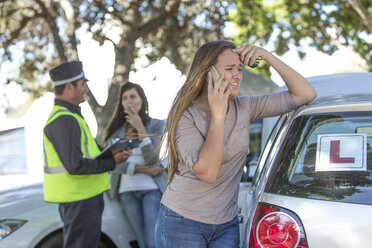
<point x="118" y="117"/>
<point x="205" y="57"/>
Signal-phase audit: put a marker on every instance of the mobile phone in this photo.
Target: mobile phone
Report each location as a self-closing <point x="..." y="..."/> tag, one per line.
<point x="215" y="74"/>
<point x="255" y="63"/>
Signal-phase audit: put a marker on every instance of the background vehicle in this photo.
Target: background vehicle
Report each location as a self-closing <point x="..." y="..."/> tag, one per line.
<point x="26" y="220"/>
<point x="313" y="183"/>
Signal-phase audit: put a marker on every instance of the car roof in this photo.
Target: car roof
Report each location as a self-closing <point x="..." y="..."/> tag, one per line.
<point x="339" y="103"/>
<point x="340" y="84"/>
<point x="336" y="92"/>
<point x="339" y="91"/>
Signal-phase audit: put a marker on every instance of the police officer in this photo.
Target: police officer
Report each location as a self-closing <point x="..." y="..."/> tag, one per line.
<point x="72" y="177"/>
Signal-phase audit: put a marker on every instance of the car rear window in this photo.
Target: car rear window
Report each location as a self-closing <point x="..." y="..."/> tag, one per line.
<point x="326" y="157"/>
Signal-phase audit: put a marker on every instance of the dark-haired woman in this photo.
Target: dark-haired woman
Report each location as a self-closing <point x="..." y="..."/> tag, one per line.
<point x="138" y="183"/>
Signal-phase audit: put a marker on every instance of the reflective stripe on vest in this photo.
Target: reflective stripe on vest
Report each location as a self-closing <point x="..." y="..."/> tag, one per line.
<point x="62" y="169"/>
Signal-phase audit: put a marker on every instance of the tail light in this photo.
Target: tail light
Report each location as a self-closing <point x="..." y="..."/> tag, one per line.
<point x="276" y="227"/>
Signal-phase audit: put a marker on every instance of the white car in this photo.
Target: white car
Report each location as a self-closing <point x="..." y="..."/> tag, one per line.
<point x="27" y="221"/>
<point x="313" y="183"/>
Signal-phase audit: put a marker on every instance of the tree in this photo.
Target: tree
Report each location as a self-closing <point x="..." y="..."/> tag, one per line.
<point x="324" y="24"/>
<point x="46" y="32"/>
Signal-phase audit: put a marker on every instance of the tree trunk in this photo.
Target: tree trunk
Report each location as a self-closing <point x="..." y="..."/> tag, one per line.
<point x="362" y="12"/>
<point x="132" y="29"/>
<point x="124" y="58"/>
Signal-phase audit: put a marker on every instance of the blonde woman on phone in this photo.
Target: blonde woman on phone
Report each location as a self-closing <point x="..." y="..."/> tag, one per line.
<point x="207" y="144"/>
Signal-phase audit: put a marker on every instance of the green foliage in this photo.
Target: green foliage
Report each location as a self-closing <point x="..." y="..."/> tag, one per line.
<point x="196" y="23"/>
<point x="29" y="27"/>
<point x="324" y="24"/>
<point x="45" y="32"/>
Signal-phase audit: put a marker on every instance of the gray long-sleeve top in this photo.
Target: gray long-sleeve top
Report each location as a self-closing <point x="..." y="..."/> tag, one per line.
<point x="64" y="133"/>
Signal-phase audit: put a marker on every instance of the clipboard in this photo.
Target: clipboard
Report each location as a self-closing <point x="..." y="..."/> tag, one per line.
<point x="106" y="153"/>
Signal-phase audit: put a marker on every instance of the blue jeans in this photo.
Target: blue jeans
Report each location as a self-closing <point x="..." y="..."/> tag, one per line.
<point x="173" y="230"/>
<point x="141" y="208"/>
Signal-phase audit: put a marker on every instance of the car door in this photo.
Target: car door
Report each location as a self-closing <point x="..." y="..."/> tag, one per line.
<point x="248" y="184"/>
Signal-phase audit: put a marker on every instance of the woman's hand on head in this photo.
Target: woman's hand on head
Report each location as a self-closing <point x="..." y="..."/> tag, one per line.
<point x="300" y="89"/>
<point x="248" y="54"/>
<point x="218" y="95"/>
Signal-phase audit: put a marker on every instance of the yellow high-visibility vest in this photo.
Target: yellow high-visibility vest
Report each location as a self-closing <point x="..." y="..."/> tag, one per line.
<point x="59" y="185"/>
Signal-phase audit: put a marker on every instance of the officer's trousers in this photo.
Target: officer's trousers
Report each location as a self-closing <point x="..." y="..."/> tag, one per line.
<point x="82" y="222"/>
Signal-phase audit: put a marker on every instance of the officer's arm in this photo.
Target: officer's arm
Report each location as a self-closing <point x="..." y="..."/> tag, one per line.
<point x="65" y="135"/>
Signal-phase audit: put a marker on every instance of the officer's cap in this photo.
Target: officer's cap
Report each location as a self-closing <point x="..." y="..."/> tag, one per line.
<point x="67" y="72"/>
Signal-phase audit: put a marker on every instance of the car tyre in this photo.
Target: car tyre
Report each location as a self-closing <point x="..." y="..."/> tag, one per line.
<point x="53" y="241"/>
<point x="56" y="241"/>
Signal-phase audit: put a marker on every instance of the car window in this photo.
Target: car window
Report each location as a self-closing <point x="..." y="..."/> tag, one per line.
<point x="265" y="152"/>
<point x="255" y="133"/>
<point x="13" y="151"/>
<point x="254" y="150"/>
<point x="326" y="157"/>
